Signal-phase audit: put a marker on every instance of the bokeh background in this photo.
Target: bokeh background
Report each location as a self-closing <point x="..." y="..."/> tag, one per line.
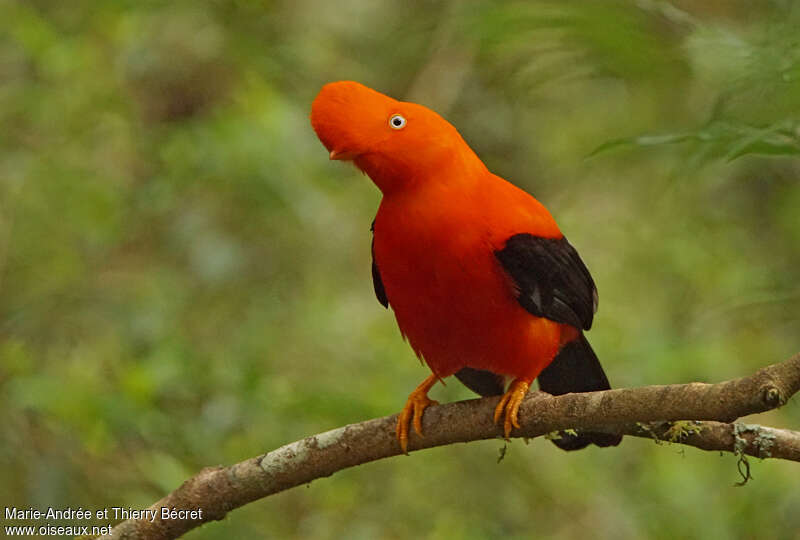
<point x="184" y="276"/>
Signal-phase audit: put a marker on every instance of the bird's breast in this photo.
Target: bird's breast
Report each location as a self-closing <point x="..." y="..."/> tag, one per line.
<point x="451" y="298"/>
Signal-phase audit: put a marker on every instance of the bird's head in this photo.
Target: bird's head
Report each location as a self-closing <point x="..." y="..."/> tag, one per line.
<point x="396" y="143"/>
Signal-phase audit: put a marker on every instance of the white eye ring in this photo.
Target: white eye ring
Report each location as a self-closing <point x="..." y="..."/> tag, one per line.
<point x="397" y="121"/>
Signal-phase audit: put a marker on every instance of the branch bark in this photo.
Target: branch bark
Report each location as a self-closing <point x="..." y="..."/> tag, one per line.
<point x="706" y="413"/>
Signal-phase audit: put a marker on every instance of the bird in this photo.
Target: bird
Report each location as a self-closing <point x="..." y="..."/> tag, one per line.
<point x="482" y="282"/>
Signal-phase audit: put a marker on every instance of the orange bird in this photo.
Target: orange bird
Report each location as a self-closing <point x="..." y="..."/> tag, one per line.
<point x="483" y="284"/>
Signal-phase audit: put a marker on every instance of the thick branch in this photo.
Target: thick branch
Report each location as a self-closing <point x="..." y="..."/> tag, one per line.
<point x="634" y="411"/>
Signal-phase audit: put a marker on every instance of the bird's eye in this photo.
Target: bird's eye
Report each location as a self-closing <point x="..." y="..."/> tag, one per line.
<point x="397" y="121"/>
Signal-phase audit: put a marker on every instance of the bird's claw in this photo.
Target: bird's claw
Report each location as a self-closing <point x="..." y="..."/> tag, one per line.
<point x="509" y="405"/>
<point x="411" y="414"/>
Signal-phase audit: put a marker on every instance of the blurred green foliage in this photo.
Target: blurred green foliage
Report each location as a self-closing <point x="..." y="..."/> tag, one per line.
<point x="184" y="276"/>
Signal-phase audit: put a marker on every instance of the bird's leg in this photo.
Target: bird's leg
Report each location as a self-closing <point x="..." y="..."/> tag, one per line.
<point x="416" y="404"/>
<point x="509" y="405"/>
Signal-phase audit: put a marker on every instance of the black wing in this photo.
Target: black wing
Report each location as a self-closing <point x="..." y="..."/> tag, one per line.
<point x="552" y="282"/>
<point x="550" y="278"/>
<point x="377" y="283"/>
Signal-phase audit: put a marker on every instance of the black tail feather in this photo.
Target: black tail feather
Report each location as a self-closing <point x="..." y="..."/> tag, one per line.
<point x="574" y="369"/>
<point x="577" y="369"/>
<point x="482" y="382"/>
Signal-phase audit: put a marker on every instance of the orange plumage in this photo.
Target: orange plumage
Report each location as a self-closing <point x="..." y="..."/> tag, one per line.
<point x="439" y="240"/>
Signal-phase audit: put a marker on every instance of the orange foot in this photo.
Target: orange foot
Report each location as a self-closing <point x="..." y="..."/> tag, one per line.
<point x="416" y="404"/>
<point x="509" y="405"/>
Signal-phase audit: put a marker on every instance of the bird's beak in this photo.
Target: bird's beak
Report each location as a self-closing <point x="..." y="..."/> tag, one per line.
<point x="341" y="155"/>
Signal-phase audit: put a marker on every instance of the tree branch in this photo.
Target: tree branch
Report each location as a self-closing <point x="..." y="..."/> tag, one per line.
<point x="643" y="412"/>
